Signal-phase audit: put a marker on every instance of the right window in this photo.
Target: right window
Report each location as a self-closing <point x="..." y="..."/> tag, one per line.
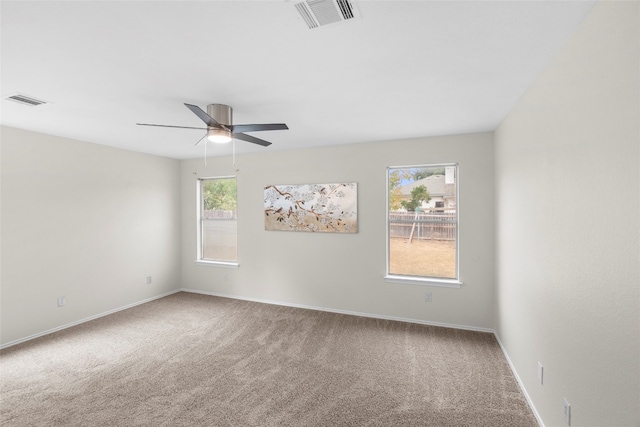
<point x="422" y="222"/>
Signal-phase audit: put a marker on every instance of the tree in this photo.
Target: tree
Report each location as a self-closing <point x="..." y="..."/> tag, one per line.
<point x="396" y="176"/>
<point x="418" y="195"/>
<point x="220" y="194"/>
<point x="418" y="174"/>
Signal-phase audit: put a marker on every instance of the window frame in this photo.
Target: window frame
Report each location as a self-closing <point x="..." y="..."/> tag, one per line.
<point x="200" y="222"/>
<point x="424" y="280"/>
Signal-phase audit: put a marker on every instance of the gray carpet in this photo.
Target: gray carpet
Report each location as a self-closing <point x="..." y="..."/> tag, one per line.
<point x="195" y="360"/>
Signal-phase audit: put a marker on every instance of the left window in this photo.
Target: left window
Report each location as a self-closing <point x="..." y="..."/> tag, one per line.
<point x="218" y="222"/>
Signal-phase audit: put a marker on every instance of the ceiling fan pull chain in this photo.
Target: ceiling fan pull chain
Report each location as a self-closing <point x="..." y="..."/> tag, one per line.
<point x="205" y="152"/>
<point x="234" y="153"/>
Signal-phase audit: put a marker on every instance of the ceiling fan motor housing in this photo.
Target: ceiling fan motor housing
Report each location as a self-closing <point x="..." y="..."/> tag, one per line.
<point x="221" y="113"/>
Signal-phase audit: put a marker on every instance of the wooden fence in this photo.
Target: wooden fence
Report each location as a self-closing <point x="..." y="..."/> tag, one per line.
<point x="430" y="225"/>
<point x="218" y="214"/>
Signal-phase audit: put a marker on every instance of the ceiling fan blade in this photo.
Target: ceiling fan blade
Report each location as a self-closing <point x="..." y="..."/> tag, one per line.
<point x="169" y="126"/>
<point x="259" y="127"/>
<point x="203" y="116"/>
<point x="252" y="139"/>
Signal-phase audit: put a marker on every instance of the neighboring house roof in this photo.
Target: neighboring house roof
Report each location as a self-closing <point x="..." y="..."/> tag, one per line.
<point x="435" y="186"/>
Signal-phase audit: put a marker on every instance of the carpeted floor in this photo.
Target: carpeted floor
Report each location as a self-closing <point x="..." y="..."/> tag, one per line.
<point x="196" y="360"/>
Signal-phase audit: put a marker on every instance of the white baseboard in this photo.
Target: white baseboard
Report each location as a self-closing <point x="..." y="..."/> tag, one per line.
<point x="87" y="319"/>
<point x="520" y="383"/>
<point x="333" y="310"/>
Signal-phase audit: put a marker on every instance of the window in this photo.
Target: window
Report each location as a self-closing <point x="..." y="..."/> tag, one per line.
<point x="422" y="226"/>
<point x="218" y="221"/>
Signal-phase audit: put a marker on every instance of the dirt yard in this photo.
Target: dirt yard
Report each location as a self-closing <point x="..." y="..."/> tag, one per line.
<point x="435" y="258"/>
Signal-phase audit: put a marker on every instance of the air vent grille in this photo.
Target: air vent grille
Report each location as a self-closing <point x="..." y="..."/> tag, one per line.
<point x="345" y="8"/>
<point x="26" y="100"/>
<point x="317" y="13"/>
<point x="306" y="15"/>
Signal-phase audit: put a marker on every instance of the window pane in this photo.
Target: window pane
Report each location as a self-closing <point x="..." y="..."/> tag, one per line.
<point x="219" y="240"/>
<point x="219" y="224"/>
<point x="423" y="221"/>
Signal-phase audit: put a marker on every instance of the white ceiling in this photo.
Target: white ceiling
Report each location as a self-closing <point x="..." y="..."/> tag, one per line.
<point x="403" y="69"/>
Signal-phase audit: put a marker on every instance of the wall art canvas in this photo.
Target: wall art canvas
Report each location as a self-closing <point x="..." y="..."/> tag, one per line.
<point x="320" y="208"/>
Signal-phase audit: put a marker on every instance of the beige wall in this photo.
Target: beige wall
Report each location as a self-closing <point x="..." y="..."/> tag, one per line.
<point x="83" y="221"/>
<point x="567" y="223"/>
<point x="108" y="218"/>
<point x="345" y="271"/>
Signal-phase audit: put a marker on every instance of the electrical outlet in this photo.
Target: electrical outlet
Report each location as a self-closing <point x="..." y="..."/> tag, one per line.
<point x="62" y="301"/>
<point x="427" y="296"/>
<point x="148" y="280"/>
<point x="540" y="373"/>
<point x="567" y="412"/>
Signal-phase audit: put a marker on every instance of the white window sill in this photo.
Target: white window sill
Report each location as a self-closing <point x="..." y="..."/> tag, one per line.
<point x="425" y="281"/>
<point x="217" y="263"/>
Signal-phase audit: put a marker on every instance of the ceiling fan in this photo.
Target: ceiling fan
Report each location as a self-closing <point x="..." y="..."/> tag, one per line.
<point x="220" y="127"/>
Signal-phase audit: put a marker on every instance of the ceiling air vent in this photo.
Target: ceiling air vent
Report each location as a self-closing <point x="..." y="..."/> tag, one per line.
<point x="317" y="13"/>
<point x="26" y="100"/>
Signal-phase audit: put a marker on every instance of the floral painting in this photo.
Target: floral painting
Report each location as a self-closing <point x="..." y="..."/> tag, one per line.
<point x="321" y="208"/>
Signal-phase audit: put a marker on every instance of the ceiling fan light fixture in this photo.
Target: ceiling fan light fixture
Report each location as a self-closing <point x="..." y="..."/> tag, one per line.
<point x="219" y="136"/>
